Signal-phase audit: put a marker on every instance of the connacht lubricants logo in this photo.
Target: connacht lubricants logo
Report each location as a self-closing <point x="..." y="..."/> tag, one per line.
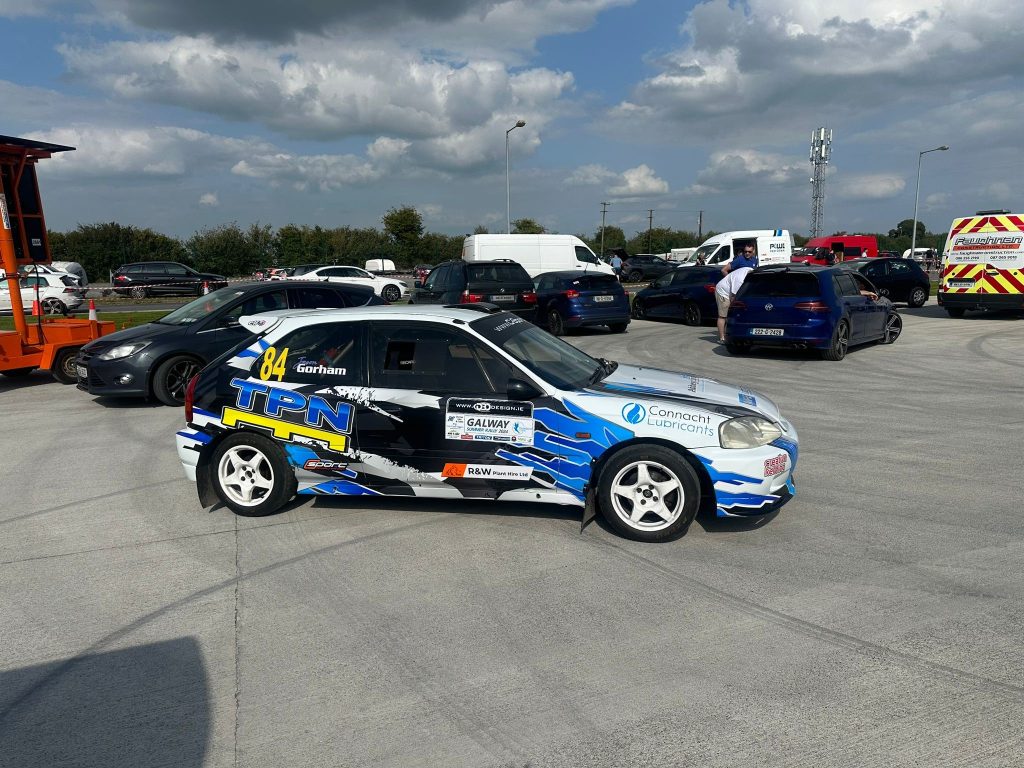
<point x="633" y="413"/>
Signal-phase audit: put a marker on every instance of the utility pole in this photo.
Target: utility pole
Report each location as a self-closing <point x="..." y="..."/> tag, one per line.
<point x="821" y="152"/>
<point x="604" y="210"/>
<point x="650" y="225"/>
<point x="700" y="224"/>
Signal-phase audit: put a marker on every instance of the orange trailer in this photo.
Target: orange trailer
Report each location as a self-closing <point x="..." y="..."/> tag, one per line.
<point x="50" y="344"/>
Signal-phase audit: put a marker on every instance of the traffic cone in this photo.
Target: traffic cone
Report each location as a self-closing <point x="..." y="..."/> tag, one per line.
<point x="92" y="309"/>
<point x="36" y="311"/>
<point x="206" y="288"/>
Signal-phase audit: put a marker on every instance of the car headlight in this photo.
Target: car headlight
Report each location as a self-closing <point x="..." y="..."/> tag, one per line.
<point x="123" y="350"/>
<point x="748" y="432"/>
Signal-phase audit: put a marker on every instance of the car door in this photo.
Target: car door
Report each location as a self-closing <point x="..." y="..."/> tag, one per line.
<point x="181" y="280"/>
<point x="874" y="311"/>
<point x="876" y="273"/>
<point x="903" y="278"/>
<point x="660" y="299"/>
<point x="548" y="289"/>
<point x="438" y="404"/>
<point x="856" y="306"/>
<point x="433" y="286"/>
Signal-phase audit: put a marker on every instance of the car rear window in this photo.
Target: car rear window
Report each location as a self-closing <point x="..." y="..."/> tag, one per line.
<point x="497" y="273"/>
<point x="600" y="282"/>
<point x="780" y="284"/>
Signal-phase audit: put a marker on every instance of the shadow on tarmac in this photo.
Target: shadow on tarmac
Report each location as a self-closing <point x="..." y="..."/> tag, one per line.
<point x="148" y="705"/>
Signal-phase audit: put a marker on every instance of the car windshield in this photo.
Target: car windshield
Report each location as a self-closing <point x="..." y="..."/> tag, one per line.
<point x="705" y="251"/>
<point x="196" y="310"/>
<point x="553" y="360"/>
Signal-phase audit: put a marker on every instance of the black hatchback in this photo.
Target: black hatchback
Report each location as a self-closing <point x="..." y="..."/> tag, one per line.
<point x="686" y="294"/>
<point x="896" y="279"/>
<point x="502" y="282"/>
<point x="159" y="358"/>
<point x="645" y="266"/>
<point x="163" y="278"/>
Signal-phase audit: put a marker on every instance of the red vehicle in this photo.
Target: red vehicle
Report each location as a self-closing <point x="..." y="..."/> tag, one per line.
<point x="833" y="249"/>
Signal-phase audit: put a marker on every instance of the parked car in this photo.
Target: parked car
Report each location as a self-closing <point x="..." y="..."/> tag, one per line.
<point x="501" y="282"/>
<point x="574" y="299"/>
<point x="301" y="269"/>
<point x="475" y="403"/>
<point x="159" y="358"/>
<point x="896" y="279"/>
<point x="37" y="268"/>
<point x="163" y="278"/>
<point x="74" y="269"/>
<point x="645" y="266"/>
<point x="685" y="294"/>
<point x="58" y="293"/>
<point x="820" y="308"/>
<point x="420" y="272"/>
<point x="388" y="288"/>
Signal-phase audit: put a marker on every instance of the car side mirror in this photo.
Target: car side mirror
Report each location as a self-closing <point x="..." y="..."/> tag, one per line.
<point x="230" y="322"/>
<point x="521" y="390"/>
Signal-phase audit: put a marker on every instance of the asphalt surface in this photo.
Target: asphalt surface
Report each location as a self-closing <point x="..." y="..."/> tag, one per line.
<point x="875" y="621"/>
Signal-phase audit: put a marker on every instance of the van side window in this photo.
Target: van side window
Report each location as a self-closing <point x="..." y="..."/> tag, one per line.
<point x="723" y="254"/>
<point x="584" y="255"/>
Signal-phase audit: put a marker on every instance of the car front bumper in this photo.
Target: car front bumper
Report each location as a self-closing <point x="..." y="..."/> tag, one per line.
<point x="127" y="377"/>
<point x="752" y="482"/>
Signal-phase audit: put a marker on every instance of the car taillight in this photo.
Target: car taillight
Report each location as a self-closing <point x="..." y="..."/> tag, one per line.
<point x="710" y="287"/>
<point x="70" y="290"/>
<point x="571" y="294"/>
<point x="812" y="306"/>
<point x="190" y="392"/>
<point x="470" y="298"/>
<point x="737" y="304"/>
<point x="120" y="278"/>
<point x="529" y="297"/>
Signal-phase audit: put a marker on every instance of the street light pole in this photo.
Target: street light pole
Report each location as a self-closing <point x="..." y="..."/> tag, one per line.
<point x="508" y="195"/>
<point x="917" y="196"/>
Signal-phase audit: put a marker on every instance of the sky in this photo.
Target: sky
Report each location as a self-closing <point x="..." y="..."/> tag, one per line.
<point x="188" y="114"/>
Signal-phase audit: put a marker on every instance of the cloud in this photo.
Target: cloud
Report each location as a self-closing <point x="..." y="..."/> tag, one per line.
<point x="209" y="199"/>
<point x="587" y="175"/>
<point x="869" y="186"/>
<point x="763" y="69"/>
<point x="639" y="182"/>
<point x="744" y="169"/>
<point x="937" y="200"/>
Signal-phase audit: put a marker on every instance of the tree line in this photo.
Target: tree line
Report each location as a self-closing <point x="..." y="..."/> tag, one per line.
<point x="232" y="250"/>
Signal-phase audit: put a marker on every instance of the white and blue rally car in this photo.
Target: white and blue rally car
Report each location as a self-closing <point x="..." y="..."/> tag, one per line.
<point x="473" y="402"/>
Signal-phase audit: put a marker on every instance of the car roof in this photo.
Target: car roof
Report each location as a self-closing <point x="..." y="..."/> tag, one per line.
<point x="414" y="312"/>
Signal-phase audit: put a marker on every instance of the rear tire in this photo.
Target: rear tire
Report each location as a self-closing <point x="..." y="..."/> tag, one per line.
<point x="635" y="276"/>
<point x="918" y="297"/>
<point x="692" y="314"/>
<point x="955" y="312"/>
<point x="556" y="325"/>
<point x="648" y="493"/>
<point x="53" y="306"/>
<point x="617" y="327"/>
<point x="737" y="347"/>
<point x="639" y="311"/>
<point x="250" y="475"/>
<point x="63" y="368"/>
<point x="138" y="292"/>
<point x="839" y="344"/>
<point x="172" y="377"/>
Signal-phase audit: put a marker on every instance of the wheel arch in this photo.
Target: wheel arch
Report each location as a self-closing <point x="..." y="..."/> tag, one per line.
<point x="164" y="356"/>
<point x="708" y="501"/>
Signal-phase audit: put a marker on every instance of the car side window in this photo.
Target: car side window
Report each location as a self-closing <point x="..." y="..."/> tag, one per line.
<point x="584" y="255"/>
<point x="438" y="277"/>
<point x="863" y="284"/>
<point x="899" y="268"/>
<point x="663" y="281"/>
<point x="133" y="269"/>
<point x="682" y="277"/>
<point x="722" y="254"/>
<point x="176" y="270"/>
<point x="264" y="302"/>
<point x="319" y="298"/>
<point x="422" y="357"/>
<point x="874" y="270"/>
<point x="456" y="278"/>
<point x="847" y="286"/>
<point x="546" y="283"/>
<point x="329" y="354"/>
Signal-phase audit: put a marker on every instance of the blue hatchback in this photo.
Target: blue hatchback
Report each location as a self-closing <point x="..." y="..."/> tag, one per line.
<point x="575" y="299"/>
<point x="828" y="309"/>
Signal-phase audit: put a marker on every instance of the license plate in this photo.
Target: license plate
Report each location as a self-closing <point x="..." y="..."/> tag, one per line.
<point x="82" y="372"/>
<point x="960" y="283"/>
<point x="765" y="331"/>
<point x="604" y="298"/>
<point x="503" y="298"/>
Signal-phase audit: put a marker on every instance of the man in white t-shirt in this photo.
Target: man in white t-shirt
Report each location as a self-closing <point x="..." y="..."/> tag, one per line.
<point x="724" y="291"/>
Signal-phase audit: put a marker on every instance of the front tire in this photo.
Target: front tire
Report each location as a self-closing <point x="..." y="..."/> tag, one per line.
<point x="172" y="377"/>
<point x="893" y="329"/>
<point x="556" y="325"/>
<point x="840" y="343"/>
<point x="639" y="310"/>
<point x="918" y="297"/>
<point x="251" y="475"/>
<point x="692" y="314"/>
<point x="390" y="293"/>
<point x="635" y="276"/>
<point x="648" y="493"/>
<point x="63" y="368"/>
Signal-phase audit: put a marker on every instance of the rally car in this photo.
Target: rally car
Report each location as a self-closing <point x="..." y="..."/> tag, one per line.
<point x="471" y="402"/>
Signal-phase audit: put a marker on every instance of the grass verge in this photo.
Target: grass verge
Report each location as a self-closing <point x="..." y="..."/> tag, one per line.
<point x="122" y="319"/>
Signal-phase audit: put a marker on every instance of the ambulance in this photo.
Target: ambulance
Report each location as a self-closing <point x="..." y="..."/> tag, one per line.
<point x="983" y="263"/>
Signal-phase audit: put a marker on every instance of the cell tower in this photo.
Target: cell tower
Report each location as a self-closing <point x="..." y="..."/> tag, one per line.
<point x="821" y="151"/>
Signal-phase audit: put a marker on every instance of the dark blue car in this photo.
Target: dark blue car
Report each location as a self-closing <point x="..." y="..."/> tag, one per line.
<point x="687" y="294"/>
<point x="825" y="308"/>
<point x="575" y="299"/>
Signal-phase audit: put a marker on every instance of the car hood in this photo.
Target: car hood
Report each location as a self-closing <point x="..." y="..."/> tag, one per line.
<point x="650" y="384"/>
<point x="146" y="332"/>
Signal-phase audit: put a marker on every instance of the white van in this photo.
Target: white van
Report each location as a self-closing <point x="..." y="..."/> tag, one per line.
<point x="681" y="255"/>
<point x="774" y="246"/>
<point x="537" y="253"/>
<point x="380" y="265"/>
